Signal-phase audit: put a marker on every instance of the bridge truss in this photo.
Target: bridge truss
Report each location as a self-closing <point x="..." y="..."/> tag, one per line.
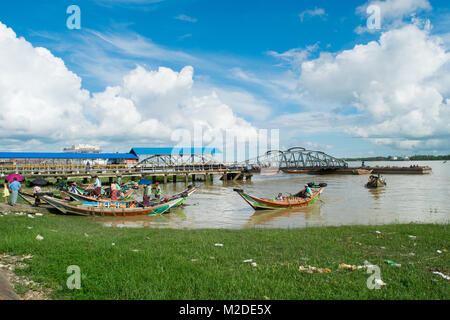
<point x="297" y="158"/>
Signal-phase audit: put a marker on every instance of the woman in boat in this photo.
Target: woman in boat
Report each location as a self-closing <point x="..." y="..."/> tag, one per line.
<point x="147" y="195"/>
<point x="113" y="192"/>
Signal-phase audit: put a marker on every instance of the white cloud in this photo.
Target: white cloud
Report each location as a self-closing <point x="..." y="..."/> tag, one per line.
<point x="397" y="83"/>
<point x="186" y="18"/>
<point x="311" y="13"/>
<point x="296" y="56"/>
<point x="41" y="100"/>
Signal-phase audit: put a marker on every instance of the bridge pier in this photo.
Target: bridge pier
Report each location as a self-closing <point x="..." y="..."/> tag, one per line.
<point x="165" y="179"/>
<point x="174" y="178"/>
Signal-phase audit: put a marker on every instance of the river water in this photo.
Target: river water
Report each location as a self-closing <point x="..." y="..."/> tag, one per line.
<point x="346" y="201"/>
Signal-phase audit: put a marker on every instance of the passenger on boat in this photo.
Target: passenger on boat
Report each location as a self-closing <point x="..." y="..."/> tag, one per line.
<point x="73" y="188"/>
<point x="147" y="195"/>
<point x="308" y="192"/>
<point x="119" y="180"/>
<point x="157" y="191"/>
<point x="113" y="192"/>
<point x="98" y="187"/>
<point x="279" y="197"/>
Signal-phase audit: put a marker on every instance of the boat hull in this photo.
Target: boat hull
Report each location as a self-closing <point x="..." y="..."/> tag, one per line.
<point x="111" y="211"/>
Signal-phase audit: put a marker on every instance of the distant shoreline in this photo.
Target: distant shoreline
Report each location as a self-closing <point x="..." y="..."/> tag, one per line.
<point x="413" y="158"/>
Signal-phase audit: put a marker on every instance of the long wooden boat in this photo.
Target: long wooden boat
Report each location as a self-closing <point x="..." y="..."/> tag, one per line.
<point x="80" y="197"/>
<point x="294" y="201"/>
<point x="362" y="171"/>
<point x="376" y="182"/>
<point x="111" y="209"/>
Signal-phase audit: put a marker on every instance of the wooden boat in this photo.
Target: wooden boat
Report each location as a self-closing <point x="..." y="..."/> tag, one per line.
<point x="295" y="171"/>
<point x="80" y="197"/>
<point x="376" y="182"/>
<point x="362" y="171"/>
<point x="293" y="201"/>
<point x="123" y="209"/>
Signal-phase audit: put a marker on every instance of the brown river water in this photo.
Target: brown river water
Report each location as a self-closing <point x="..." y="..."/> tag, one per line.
<point x="346" y="201"/>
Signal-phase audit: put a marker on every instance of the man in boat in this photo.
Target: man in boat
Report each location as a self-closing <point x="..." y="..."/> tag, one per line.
<point x="279" y="197"/>
<point x="98" y="187"/>
<point x="119" y="180"/>
<point x="157" y="191"/>
<point x="88" y="166"/>
<point x="308" y="192"/>
<point x="73" y="188"/>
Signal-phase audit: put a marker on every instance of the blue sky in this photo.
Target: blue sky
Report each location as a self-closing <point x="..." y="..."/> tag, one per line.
<point x="250" y="53"/>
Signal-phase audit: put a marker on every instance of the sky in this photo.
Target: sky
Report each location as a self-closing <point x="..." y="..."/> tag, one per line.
<point x="350" y="78"/>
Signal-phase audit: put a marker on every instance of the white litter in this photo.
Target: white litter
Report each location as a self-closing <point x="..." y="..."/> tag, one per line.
<point x="86" y="235"/>
<point x="254" y="264"/>
<point x="442" y="275"/>
<point x="412" y="237"/>
<point x="438" y="251"/>
<point x="113" y="244"/>
<point x="378" y="232"/>
<point x="39" y="237"/>
<point x="218" y="245"/>
<point x="30" y="216"/>
<point x="38" y="214"/>
<point x="248" y="260"/>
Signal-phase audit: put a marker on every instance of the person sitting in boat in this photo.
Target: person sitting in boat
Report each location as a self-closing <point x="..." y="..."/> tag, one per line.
<point x="73" y="188"/>
<point x="308" y="192"/>
<point x="279" y="197"/>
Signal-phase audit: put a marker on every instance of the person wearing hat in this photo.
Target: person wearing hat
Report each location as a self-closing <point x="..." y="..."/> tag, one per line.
<point x="157" y="191"/>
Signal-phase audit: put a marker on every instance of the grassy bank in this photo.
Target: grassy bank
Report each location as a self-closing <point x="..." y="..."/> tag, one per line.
<point x="186" y="264"/>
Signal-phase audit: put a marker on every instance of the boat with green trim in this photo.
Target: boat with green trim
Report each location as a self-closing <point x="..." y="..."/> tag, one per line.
<point x="292" y="201"/>
<point x="122" y="209"/>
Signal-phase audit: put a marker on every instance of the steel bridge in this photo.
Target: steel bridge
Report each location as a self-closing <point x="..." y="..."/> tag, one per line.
<point x="296" y="158"/>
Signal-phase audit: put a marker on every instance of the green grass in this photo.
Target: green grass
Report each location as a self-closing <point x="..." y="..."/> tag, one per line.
<point x="162" y="268"/>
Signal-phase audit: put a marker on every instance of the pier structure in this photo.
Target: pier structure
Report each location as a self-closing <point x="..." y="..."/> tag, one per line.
<point x="162" y="164"/>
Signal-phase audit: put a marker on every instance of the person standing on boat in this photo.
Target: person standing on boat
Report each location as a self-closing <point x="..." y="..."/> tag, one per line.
<point x="119" y="180"/>
<point x="15" y="188"/>
<point x="88" y="166"/>
<point x="147" y="195"/>
<point x="157" y="191"/>
<point x="279" y="197"/>
<point x="113" y="192"/>
<point x="98" y="187"/>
